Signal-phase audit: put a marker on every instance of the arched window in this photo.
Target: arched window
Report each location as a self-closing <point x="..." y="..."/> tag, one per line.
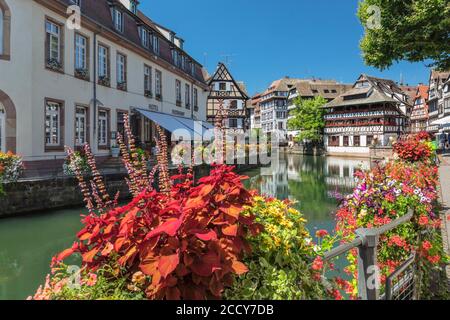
<point x="5" y="28"/>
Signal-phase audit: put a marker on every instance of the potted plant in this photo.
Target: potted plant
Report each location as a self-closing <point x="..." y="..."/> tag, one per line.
<point x="115" y="150"/>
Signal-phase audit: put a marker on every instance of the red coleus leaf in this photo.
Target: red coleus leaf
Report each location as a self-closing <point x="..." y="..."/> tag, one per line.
<point x="169" y="227"/>
<point x="239" y="268"/>
<point x="118" y="244"/>
<point x="108" y="249"/>
<point x="65" y="254"/>
<point x="89" y="256"/>
<point x="167" y="264"/>
<point x="149" y="267"/>
<point x="128" y="256"/>
<point x="211" y="235"/>
<point x="206" y="190"/>
<point x="232" y="210"/>
<point x="230" y="230"/>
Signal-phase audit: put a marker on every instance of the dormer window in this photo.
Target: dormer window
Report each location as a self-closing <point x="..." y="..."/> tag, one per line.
<point x="117" y="19"/>
<point x="155" y="44"/>
<point x="145" y="37"/>
<point x="362" y="84"/>
<point x="133" y="6"/>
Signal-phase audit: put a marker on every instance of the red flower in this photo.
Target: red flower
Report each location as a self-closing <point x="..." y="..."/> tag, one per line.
<point x="427" y="245"/>
<point x="423" y="221"/>
<point x="434" y="259"/>
<point x="321" y="233"/>
<point x="317" y="264"/>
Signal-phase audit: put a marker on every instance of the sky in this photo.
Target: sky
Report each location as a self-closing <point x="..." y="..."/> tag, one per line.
<point x="264" y="40"/>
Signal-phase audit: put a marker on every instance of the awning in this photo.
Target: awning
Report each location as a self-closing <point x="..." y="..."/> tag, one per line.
<point x="178" y="125"/>
<point x="444" y="122"/>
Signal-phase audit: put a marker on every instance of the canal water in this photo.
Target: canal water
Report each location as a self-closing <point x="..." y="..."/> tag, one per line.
<point x="28" y="243"/>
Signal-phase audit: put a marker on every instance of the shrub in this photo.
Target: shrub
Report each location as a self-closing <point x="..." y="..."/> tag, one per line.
<point x="283" y="262"/>
<point x="413" y="148"/>
<point x="189" y="241"/>
<point x="383" y="195"/>
<point x="79" y="160"/>
<point x="104" y="284"/>
<point x="11" y="167"/>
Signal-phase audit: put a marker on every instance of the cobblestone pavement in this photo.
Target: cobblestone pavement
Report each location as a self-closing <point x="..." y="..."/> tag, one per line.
<point x="444" y="173"/>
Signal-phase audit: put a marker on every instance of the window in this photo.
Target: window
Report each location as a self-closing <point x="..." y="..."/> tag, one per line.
<point x="145" y="39"/>
<point x="53" y="124"/>
<point x="233" y="104"/>
<point x="369" y="141"/>
<point x="76" y="2"/>
<point x="158" y="84"/>
<point x="81" y="55"/>
<point x="175" y="57"/>
<point x="362" y="84"/>
<point x="54" y="45"/>
<point x="80" y="126"/>
<point x="118" y="19"/>
<point x="103" y="64"/>
<point x="333" y="141"/>
<point x="356" y="141"/>
<point x="187" y="96"/>
<point x="178" y="92"/>
<point x="121" y="71"/>
<point x="155" y="43"/>
<point x="147" y="81"/>
<point x="133" y="6"/>
<point x="346" y="141"/>
<point x="102" y="128"/>
<point x="195" y="99"/>
<point x="222" y="86"/>
<point x="121" y="123"/>
<point x="232" y="123"/>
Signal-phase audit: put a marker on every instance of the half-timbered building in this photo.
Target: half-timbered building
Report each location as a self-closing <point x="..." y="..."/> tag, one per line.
<point x="372" y="112"/>
<point x="227" y="100"/>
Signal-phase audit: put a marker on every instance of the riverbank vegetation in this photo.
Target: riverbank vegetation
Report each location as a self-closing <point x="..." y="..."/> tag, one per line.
<point x="11" y="167"/>
<point x="386" y="193"/>
<point x="214" y="239"/>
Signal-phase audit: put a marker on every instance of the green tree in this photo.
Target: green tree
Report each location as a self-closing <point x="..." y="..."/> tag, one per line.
<point x="412" y="30"/>
<point x="307" y="117"/>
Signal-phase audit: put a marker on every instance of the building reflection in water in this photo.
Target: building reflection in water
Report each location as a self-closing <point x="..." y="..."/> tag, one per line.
<point x="313" y="182"/>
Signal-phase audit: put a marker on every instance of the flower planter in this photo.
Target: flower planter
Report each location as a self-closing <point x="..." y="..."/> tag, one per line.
<point x="115" y="152"/>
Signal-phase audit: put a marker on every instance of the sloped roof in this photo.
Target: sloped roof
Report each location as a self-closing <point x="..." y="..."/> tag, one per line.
<point x="223" y="74"/>
<point x="376" y="92"/>
<point x="99" y="12"/>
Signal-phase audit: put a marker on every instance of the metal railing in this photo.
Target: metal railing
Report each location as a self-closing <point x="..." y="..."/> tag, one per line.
<point x="367" y="242"/>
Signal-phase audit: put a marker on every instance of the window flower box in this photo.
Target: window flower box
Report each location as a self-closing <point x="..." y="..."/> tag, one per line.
<point x="82" y="74"/>
<point x="122" y="86"/>
<point x="54" y="64"/>
<point x="104" y="81"/>
<point x="148" y="94"/>
<point x="158" y="97"/>
<point x="178" y="103"/>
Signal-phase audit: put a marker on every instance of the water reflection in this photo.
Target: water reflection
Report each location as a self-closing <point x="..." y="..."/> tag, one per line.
<point x="312" y="181"/>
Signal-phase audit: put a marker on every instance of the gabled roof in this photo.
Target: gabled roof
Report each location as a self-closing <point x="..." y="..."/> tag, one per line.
<point x="378" y="91"/>
<point x="328" y="89"/>
<point x="422" y="92"/>
<point x="222" y="74"/>
<point x="441" y="76"/>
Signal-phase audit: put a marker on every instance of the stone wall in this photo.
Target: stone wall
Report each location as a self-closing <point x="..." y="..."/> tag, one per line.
<point x="38" y="195"/>
<point x="381" y="152"/>
<point x="47" y="194"/>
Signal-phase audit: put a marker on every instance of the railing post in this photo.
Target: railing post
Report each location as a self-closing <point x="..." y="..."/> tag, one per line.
<point x="368" y="275"/>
